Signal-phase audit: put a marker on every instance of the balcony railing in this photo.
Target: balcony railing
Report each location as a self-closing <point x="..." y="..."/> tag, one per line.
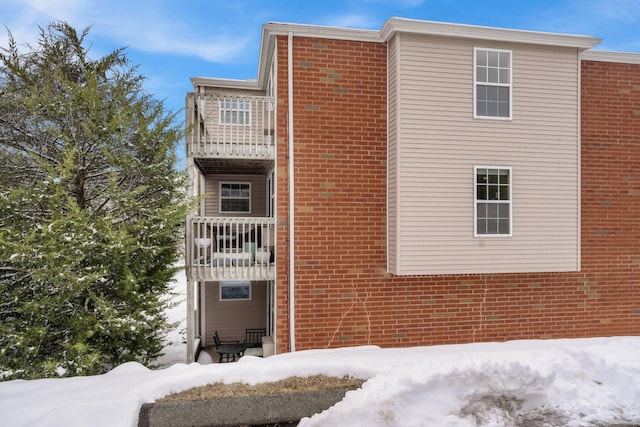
<point x="230" y="126"/>
<point x="223" y="248"/>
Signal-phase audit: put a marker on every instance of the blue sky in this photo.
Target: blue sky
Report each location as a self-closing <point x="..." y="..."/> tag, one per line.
<point x="173" y="40"/>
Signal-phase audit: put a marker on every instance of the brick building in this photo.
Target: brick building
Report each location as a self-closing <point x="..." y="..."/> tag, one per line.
<point x="427" y="183"/>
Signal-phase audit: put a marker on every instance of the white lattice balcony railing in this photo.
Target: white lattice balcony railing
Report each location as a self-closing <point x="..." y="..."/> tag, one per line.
<point x="227" y="126"/>
<point x="224" y="248"/>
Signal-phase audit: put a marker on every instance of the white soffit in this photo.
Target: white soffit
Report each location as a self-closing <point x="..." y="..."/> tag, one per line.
<point x="609" y="56"/>
<point x="396" y="25"/>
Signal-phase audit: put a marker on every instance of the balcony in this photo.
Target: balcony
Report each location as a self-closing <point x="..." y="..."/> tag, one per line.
<point x="230" y="127"/>
<point x="224" y="248"/>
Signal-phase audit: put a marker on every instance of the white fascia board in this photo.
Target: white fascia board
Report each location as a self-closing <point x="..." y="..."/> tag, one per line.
<point x="324" y="32"/>
<point x="396" y="25"/>
<point x="224" y="83"/>
<point x="611" y="56"/>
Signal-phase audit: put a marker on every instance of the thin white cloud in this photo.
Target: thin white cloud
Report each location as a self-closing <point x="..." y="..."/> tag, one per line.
<point x="156" y="29"/>
<point x="624" y="11"/>
<point x="400" y="3"/>
<point x="145" y="26"/>
<point x="352" y="21"/>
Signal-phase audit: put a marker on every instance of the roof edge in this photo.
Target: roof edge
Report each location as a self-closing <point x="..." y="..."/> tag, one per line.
<point x="226" y="83"/>
<point x="611" y="56"/>
<point x="394" y="25"/>
<point x="321" y="31"/>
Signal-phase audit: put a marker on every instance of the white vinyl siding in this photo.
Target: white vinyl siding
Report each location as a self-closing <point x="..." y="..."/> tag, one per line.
<point x="392" y="158"/>
<point x="230" y="318"/>
<point x="258" y="194"/>
<point x="438" y="142"/>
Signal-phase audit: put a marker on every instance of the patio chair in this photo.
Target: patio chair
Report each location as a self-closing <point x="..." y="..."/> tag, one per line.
<point x="217" y="342"/>
<point x="253" y="341"/>
<point x="228" y="350"/>
<point x="253" y="337"/>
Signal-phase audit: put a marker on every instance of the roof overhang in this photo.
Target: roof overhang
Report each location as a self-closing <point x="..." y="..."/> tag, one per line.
<point x="227" y="83"/>
<point x="402" y="25"/>
<point x="271" y="30"/>
<point x="610" y="56"/>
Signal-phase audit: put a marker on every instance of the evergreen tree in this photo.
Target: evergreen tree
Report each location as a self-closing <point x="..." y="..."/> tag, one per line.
<point x="91" y="210"/>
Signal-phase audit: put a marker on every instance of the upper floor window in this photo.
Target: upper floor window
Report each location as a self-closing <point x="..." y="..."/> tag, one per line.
<point x="235" y="112"/>
<point x="492" y="83"/>
<point x="492" y="201"/>
<point x="235" y="197"/>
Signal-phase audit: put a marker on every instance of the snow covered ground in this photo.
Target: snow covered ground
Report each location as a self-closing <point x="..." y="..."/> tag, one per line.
<point x="175" y="349"/>
<point x="580" y="382"/>
<point x="572" y="382"/>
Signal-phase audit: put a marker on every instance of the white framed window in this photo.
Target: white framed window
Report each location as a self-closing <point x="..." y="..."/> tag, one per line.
<point x="234" y="112"/>
<point x="492" y="83"/>
<point x="493" y="207"/>
<point x="232" y="290"/>
<point x="235" y="197"/>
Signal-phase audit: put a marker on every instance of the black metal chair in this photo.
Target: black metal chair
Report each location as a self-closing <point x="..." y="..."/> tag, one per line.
<point x="228" y="349"/>
<point x="253" y="340"/>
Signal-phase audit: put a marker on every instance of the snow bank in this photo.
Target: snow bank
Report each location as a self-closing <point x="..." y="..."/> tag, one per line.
<point x="575" y="382"/>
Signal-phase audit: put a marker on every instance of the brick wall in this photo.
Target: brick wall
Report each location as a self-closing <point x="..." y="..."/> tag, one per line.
<point x="344" y="297"/>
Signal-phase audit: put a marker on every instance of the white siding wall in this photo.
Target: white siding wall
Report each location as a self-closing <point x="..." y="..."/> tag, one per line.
<point x="261" y="118"/>
<point x="392" y="157"/>
<point x="258" y="194"/>
<point x="440" y="142"/>
<point x="231" y="318"/>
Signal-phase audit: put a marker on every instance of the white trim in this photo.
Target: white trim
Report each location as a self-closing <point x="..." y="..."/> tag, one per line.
<point x="202" y="312"/>
<point x="475" y="83"/>
<point x="242" y="109"/>
<point x="273" y="332"/>
<point x="610" y="56"/>
<point x="388" y="30"/>
<point x="476" y="201"/>
<point x="220" y="184"/>
<point x="321" y="31"/>
<point x="227" y="83"/>
<point x="190" y="313"/>
<point x="234" y="284"/>
<point x="394" y="25"/>
<point x="292" y="234"/>
<point x="579" y="168"/>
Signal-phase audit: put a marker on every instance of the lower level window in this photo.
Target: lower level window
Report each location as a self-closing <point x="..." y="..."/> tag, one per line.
<point x="492" y="201"/>
<point x="235" y="290"/>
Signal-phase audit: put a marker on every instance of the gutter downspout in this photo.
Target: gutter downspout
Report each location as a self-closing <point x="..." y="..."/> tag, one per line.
<point x="292" y="310"/>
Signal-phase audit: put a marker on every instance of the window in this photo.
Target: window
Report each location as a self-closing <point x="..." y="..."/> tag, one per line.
<point x="492" y="201"/>
<point x="492" y="83"/>
<point x="235" y="112"/>
<point x="235" y="197"/>
<point x="235" y="290"/>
